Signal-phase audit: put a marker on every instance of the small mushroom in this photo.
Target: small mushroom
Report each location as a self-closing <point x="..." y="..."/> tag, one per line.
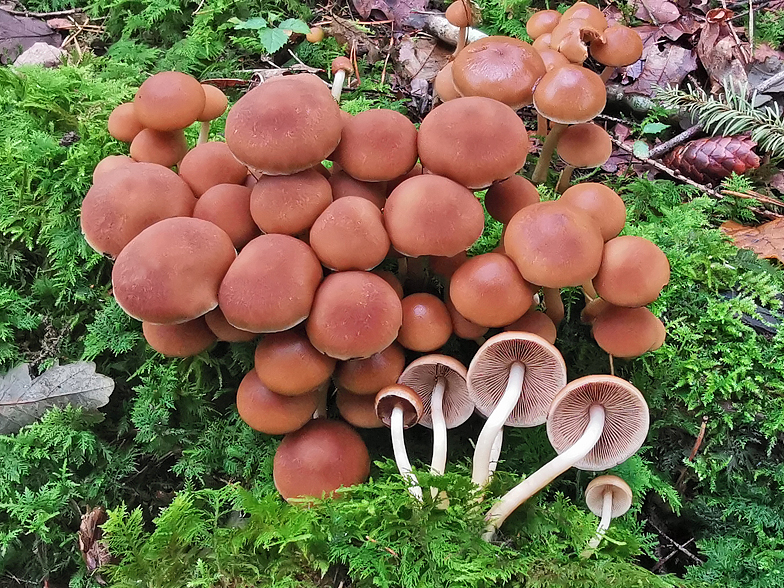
<point x="444" y="84"/>
<point x="427" y="325"/>
<point x="605" y="206"/>
<point x="627" y="332"/>
<point x="582" y="145"/>
<point x="571" y="38"/>
<point x="182" y="340"/>
<point x="288" y="364"/>
<point x="210" y="164"/>
<point x="166" y="148"/>
<point x="358" y="409"/>
<point x="123" y="123"/>
<point x="218" y="324"/>
<point x="289" y="204"/>
<point x="587" y="12"/>
<point x="341" y="67"/>
<point x="215" y="104"/>
<point x="459" y="14"/>
<point x="608" y="497"/>
<point x="619" y="46"/>
<point x="344" y="185"/>
<point x="536" y="322"/>
<point x="633" y="271"/>
<point x="367" y="376"/>
<point x="169" y="101"/>
<point x="228" y="206"/>
<point x="506" y="198"/>
<point x="542" y="22"/>
<point x="463" y="328"/>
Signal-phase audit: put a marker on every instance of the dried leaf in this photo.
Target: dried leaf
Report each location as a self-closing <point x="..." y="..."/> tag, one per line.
<point x="657" y="11"/>
<point x="94" y="552"/>
<point x="767" y="240"/>
<point x="20" y="33"/>
<point x="777" y="181"/>
<point x="664" y="67"/>
<point x="398" y="11"/>
<point x="23" y="400"/>
<point x="720" y="55"/>
<point x="420" y="58"/>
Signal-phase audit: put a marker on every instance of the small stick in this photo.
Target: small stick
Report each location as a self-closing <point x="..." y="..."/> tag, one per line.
<point x="389" y="52"/>
<point x="770" y="82"/>
<point x="734" y="33"/>
<point x="612" y="365"/>
<point x="681" y="137"/>
<point x="695" y="448"/>
<point x="751" y="27"/>
<point x="752" y="195"/>
<point x="45" y="14"/>
<point x="677" y="545"/>
<point x="389" y="550"/>
<point x="658" y="565"/>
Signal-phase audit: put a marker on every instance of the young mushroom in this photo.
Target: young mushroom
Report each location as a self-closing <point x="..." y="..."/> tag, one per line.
<point x="228" y="206"/>
<point x="619" y="46"/>
<point x="341" y="67"/>
<point x="210" y="164"/>
<point x="289" y="204"/>
<point x="181" y="340"/>
<point x="582" y="145"/>
<point x="633" y="271"/>
<point x="459" y="14"/>
<point x="169" y="101"/>
<point x="123" y="123"/>
<point x="608" y="497"/>
<point x="215" y="104"/>
<point x="427" y="325"/>
<point x="365" y="377"/>
<point x="288" y="364"/>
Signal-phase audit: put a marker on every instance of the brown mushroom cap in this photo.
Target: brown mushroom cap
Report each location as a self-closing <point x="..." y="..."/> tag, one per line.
<point x="270" y="413"/>
<point x="446" y="266"/>
<point x="289" y="204"/>
<point x="215" y="103"/>
<point x="344" y="185"/>
<point x="553" y="245"/>
<point x="605" y="206"/>
<point x="423" y="374"/>
<point x="358" y="409"/>
<point x="461" y="326"/>
<point x="633" y="271"/>
<point x="504" y="199"/>
<point x="427" y="325"/>
<point x="458" y="13"/>
<point x="432" y="215"/>
<point x="182" y="340"/>
<point x="355" y="314"/>
<point x="552" y="59"/>
<point x="171" y="271"/>
<point x="585" y="11"/>
<point x="626" y="420"/>
<point x="377" y="145"/>
<point x="350" y="235"/>
<point x="593" y="309"/>
<point x="585" y="145"/>
<point x="619" y="46"/>
<point x="621" y="495"/>
<point x="444" y="84"/>
<point x="288" y="364"/>
<point x="271" y="285"/>
<point x="286" y="126"/>
<point x="541" y="22"/>
<point x="123" y="123"/>
<point x="399" y="395"/>
<point x="210" y="164"/>
<point x="545" y="375"/>
<point x="166" y="148"/>
<point x="228" y="206"/>
<point x="320" y="458"/>
<point x="367" y="376"/>
<point x="488" y="290"/>
<point x="569" y="95"/>
<point x="536" y="322"/>
<point x="473" y="140"/>
<point x="571" y="36"/>
<point x="392" y="280"/>
<point x="415" y="171"/>
<point x="168" y="101"/>
<point x="542" y="42"/>
<point x="223" y="330"/>
<point x="627" y="332"/>
<point x="108" y="164"/>
<point x="341" y="63"/>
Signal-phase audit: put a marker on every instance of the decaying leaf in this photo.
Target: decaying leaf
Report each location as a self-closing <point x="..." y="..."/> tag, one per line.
<point x="20" y="33"/>
<point x="720" y="54"/>
<point x="23" y="400"/>
<point x="420" y="58"/>
<point x="399" y="11"/>
<point x="767" y="240"/>
<point x="94" y="552"/>
<point x="657" y="11"/>
<point x="667" y="66"/>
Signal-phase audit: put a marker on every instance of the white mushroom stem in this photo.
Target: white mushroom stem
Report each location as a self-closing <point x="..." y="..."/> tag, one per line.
<point x="438" y="464"/>
<point x="564" y="179"/>
<point x="401" y="457"/>
<point x="449" y="33"/>
<point x="337" y="84"/>
<point x="604" y="523"/>
<point x="204" y="132"/>
<point x="546" y="474"/>
<point x="495" y="423"/>
<point x="495" y="452"/>
<point x="540" y="171"/>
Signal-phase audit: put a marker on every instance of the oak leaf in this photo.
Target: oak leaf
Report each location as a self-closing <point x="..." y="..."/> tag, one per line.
<point x="767" y="240"/>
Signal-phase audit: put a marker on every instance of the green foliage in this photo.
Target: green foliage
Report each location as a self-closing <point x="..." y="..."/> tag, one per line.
<point x="769" y="27"/>
<point x="505" y="17"/>
<point x="272" y="38"/>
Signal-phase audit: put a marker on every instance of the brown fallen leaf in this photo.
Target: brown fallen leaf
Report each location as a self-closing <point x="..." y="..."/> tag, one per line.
<point x="664" y="67"/>
<point x="399" y="11"/>
<point x="767" y="240"/>
<point x="94" y="551"/>
<point x="657" y="11"/>
<point x="720" y="53"/>
<point x="420" y="58"/>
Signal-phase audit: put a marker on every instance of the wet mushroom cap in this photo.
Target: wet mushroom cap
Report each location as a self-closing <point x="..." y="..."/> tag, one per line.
<point x="210" y="164"/>
<point x="223" y="330"/>
<point x="270" y="413"/>
<point x="620" y="46"/>
<point x="552" y="59"/>
<point x="166" y="148"/>
<point x="602" y="203"/>
<point x="633" y="271"/>
<point x="367" y="376"/>
<point x="536" y="322"/>
<point x="505" y="199"/>
<point x="123" y="123"/>
<point x="585" y="145"/>
<point x="458" y="13"/>
<point x="626" y="332"/>
<point x="215" y="103"/>
<point x="108" y="164"/>
<point x="570" y="94"/>
<point x="181" y="340"/>
<point x="427" y="325"/>
<point x="625" y="425"/>
<point x="168" y="101"/>
<point x="585" y="11"/>
<point x="358" y="410"/>
<point x="545" y="375"/>
<point x="403" y="396"/>
<point x="289" y="204"/>
<point x="621" y="495"/>
<point x="171" y="271"/>
<point x="541" y="22"/>
<point x="288" y="364"/>
<point x="444" y="84"/>
<point x="344" y="185"/>
<point x="228" y="206"/>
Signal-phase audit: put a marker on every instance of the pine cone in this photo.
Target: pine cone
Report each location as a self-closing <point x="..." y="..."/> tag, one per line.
<point x="714" y="158"/>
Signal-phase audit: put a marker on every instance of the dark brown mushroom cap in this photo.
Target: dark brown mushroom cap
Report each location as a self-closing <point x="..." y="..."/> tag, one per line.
<point x="286" y="126"/>
<point x="341" y="63"/>
<point x="288" y="364"/>
<point x="182" y="340"/>
<point x="444" y="84"/>
<point x="458" y="13"/>
<point x="553" y="245"/>
<point x="505" y="199"/>
<point x="552" y="59"/>
<point x="171" y="271"/>
<point x="108" y="164"/>
<point x="320" y="458"/>
<point x="627" y="332"/>
<point x="344" y="185"/>
<point x="123" y="123"/>
<point x="585" y="11"/>
<point x="622" y="495"/>
<point x="474" y="141"/>
<point x="545" y="375"/>
<point x="502" y="68"/>
<point x="423" y="374"/>
<point x="223" y="330"/>
<point x="168" y="101"/>
<point x="377" y="145"/>
<point x="166" y="148"/>
<point x="432" y="215"/>
<point x="289" y="204"/>
<point x="427" y="325"/>
<point x="620" y="46"/>
<point x="461" y="326"/>
<point x="355" y="314"/>
<point x="625" y="423"/>
<point x="215" y="103"/>
<point x="270" y="413"/>
<point x="602" y="203"/>
<point x="569" y="95"/>
<point x="367" y="376"/>
<point x="536" y="322"/>
<point x="228" y="206"/>
<point x="585" y="145"/>
<point x="358" y="410"/>
<point x="210" y="164"/>
<point x="399" y="395"/>
<point x="488" y="290"/>
<point x="633" y="271"/>
<point x="541" y="22"/>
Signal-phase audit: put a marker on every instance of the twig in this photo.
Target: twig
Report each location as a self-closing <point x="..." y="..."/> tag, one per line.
<point x="770" y="82"/>
<point x="751" y="27"/>
<point x="389" y="52"/>
<point x="734" y="33"/>
<point x="43" y="14"/>
<point x="667" y="146"/>
<point x="387" y="549"/>
<point x="669" y="556"/>
<point x="700" y="437"/>
<point x="752" y="195"/>
<point x="677" y="545"/>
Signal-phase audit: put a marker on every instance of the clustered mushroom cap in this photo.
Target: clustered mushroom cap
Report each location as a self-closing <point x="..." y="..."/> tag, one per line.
<point x="228" y="206"/>
<point x="427" y="325"/>
<point x="461" y="326"/>
<point x="621" y="495"/>
<point x="552" y="59"/>
<point x="182" y="340"/>
<point x="367" y="376"/>
<point x="447" y="266"/>
<point x="542" y="22"/>
<point x="536" y="322"/>
<point x="108" y="164"/>
<point x="570" y="37"/>
<point x="542" y="42"/>
<point x="358" y="409"/>
<point x="627" y="332"/>
<point x="633" y="271"/>
<point x="165" y="148"/>
<point x="585" y="145"/>
<point x="423" y="374"/>
<point x="403" y="396"/>
<point x="344" y="185"/>
<point x="605" y="207"/>
<point x="288" y="364"/>
<point x="223" y="330"/>
<point x="505" y="199"/>
<point x="390" y="279"/>
<point x="123" y="123"/>
<point x="569" y="95"/>
<point x="619" y="46"/>
<point x="585" y="11"/>
<point x="270" y="413"/>
<point x="168" y="101"/>
<point x="210" y="164"/>
<point x="289" y="204"/>
<point x="444" y="84"/>
<point x="593" y="309"/>
<point x="458" y="13"/>
<point x="215" y="103"/>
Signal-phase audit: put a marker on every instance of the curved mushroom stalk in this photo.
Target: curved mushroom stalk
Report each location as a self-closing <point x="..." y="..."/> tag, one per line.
<point x="401" y="456"/>
<point x="341" y="67"/>
<point x="546" y="154"/>
<point x="608" y="497"/>
<point x="604" y="523"/>
<point x="495" y="452"/>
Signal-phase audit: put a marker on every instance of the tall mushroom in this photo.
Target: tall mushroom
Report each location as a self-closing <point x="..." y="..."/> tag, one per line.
<point x="608" y="497"/>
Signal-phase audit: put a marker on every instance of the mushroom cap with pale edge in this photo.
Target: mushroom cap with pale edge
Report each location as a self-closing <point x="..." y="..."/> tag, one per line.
<point x="288" y="364"/>
<point x="271" y="285"/>
<point x="427" y="325"/>
<point x="473" y="141"/>
<point x="585" y="145"/>
<point x="569" y="95"/>
<point x="228" y="206"/>
<point x="625" y="425"/>
<point x="602" y="203"/>
<point x="365" y="377"/>
<point x="461" y="326"/>
<point x="395" y="182"/>
<point x="377" y="145"/>
<point x="633" y="271"/>
<point x="587" y="12"/>
<point x="502" y="68"/>
<point x="108" y="164"/>
<point x="545" y="375"/>
<point x="171" y="272"/>
<point x="506" y="198"/>
<point x="210" y="164"/>
<point x="621" y="495"/>
<point x="358" y="410"/>
<point x="536" y="322"/>
<point x="284" y="127"/>
<point x="444" y="84"/>
<point x="215" y="103"/>
<point x="554" y="245"/>
<point x="619" y="46"/>
<point x="627" y="332"/>
<point x="423" y="374"/>
<point x="289" y="204"/>
<point x="552" y="59"/>
<point x="166" y="148"/>
<point x="123" y="123"/>
<point x="403" y="396"/>
<point x="223" y="330"/>
<point x="320" y="458"/>
<point x="341" y="63"/>
<point x="182" y="340"/>
<point x="169" y="100"/>
<point x="541" y="22"/>
<point x="433" y="215"/>
<point x="344" y="185"/>
<point x="354" y="315"/>
<point x="270" y="413"/>
<point x="457" y="14"/>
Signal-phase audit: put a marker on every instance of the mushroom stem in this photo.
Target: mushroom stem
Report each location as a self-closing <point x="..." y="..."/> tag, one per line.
<point x="546" y="474"/>
<point x="612" y="365"/>
<point x="337" y="84"/>
<point x="495" y="422"/>
<point x="438" y="463"/>
<point x="564" y="179"/>
<point x="541" y="125"/>
<point x="204" y="132"/>
<point x="604" y="523"/>
<point x="540" y="171"/>
<point x="461" y="40"/>
<point x="495" y="452"/>
<point x="607" y="73"/>
<point x="589" y="291"/>
<point x="399" y="449"/>
<point x="553" y="305"/>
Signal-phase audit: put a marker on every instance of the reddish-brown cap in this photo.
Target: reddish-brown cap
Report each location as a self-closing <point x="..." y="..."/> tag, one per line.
<point x="461" y="326"/>
<point x="210" y="164"/>
<point x="422" y="376"/>
<point x="341" y="63"/>
<point x="571" y="38"/>
<point x="605" y="206"/>
<point x="553" y="245"/>
<point x="570" y="94"/>
<point x="166" y="148"/>
<point x="355" y="314"/>
<point x="552" y="59"/>
<point x="286" y="126"/>
<point x="427" y="325"/>
<point x="620" y="46"/>
<point x="344" y="185"/>
<point x="545" y="375"/>
<point x="542" y="42"/>
<point x="458" y="13"/>
<point x="627" y="332"/>
<point x="502" y="68"/>
<point x="367" y="376"/>
<point x="228" y="206"/>
<point x="358" y="410"/>
<point x="289" y="204"/>
<point x="392" y="280"/>
<point x="108" y="164"/>
<point x="415" y="171"/>
<point x="270" y="413"/>
<point x="593" y="309"/>
<point x="541" y="22"/>
<point x="215" y="103"/>
<point x="169" y="100"/>
<point x="621" y="495"/>
<point x="182" y="340"/>
<point x="271" y="285"/>
<point x="288" y="364"/>
<point x="626" y="420"/>
<point x="585" y="11"/>
<point x="536" y="322"/>
<point x="396" y="395"/>
<point x="171" y="271"/>
<point x="504" y="199"/>
<point x="633" y="271"/>
<point x="585" y="145"/>
<point x="123" y="123"/>
<point x="432" y="215"/>
<point x="447" y="266"/>
<point x="474" y="141"/>
<point x="223" y="330"/>
<point x="444" y="84"/>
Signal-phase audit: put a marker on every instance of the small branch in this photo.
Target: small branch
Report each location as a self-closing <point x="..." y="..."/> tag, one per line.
<point x="678" y="546"/>
<point x="44" y="14"/>
<point x="770" y="82"/>
<point x="667" y="146"/>
<point x="669" y="556"/>
<point x="700" y="437"/>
